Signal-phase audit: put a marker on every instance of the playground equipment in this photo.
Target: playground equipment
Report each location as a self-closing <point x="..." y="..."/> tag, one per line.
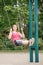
<point x="36" y="30"/>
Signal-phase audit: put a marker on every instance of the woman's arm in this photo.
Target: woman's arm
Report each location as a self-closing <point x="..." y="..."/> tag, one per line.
<point x="22" y="34"/>
<point x="10" y="34"/>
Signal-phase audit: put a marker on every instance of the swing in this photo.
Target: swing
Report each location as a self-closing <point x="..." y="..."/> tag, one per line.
<point x="10" y="26"/>
<point x="6" y="39"/>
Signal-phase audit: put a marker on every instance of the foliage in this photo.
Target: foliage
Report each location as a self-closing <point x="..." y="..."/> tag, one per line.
<point x="17" y="11"/>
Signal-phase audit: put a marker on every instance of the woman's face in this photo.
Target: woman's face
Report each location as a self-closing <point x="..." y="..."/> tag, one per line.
<point x="14" y="28"/>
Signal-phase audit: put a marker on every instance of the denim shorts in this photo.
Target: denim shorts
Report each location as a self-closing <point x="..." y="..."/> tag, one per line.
<point x="18" y="42"/>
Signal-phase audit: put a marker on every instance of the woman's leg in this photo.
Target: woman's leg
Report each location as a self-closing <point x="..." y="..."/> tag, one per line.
<point x="30" y="42"/>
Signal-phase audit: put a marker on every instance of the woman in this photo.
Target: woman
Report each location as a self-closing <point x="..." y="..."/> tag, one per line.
<point x="16" y="37"/>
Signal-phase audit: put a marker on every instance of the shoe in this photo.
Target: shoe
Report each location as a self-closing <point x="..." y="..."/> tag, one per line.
<point x="31" y="42"/>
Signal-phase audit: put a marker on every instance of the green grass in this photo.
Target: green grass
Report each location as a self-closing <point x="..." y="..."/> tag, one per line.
<point x="16" y="51"/>
<point x="26" y="50"/>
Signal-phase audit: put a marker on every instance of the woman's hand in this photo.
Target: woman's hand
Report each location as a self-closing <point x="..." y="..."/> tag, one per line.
<point x="23" y="35"/>
<point x="21" y="29"/>
<point x="10" y="34"/>
<point x="11" y="30"/>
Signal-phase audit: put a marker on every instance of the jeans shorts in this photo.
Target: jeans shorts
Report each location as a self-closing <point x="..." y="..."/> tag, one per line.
<point x="18" y="42"/>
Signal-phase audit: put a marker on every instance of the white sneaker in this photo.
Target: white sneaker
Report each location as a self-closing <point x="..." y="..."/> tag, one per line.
<point x="31" y="42"/>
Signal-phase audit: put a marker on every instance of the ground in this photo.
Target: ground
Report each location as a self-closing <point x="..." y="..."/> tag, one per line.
<point x="18" y="59"/>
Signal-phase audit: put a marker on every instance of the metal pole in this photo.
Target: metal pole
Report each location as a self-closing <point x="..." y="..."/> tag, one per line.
<point x="36" y="29"/>
<point x="30" y="28"/>
<point x="30" y="17"/>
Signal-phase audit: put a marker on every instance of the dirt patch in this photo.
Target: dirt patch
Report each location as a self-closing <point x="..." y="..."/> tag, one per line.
<point x="18" y="59"/>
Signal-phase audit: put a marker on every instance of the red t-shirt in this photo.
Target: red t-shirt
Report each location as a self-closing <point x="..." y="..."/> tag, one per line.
<point x="15" y="36"/>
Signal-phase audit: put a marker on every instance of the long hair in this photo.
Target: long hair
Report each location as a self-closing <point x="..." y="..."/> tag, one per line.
<point x="12" y="27"/>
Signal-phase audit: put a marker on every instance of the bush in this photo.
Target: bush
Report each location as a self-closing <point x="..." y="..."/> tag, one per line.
<point x="6" y="44"/>
<point x="40" y="43"/>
